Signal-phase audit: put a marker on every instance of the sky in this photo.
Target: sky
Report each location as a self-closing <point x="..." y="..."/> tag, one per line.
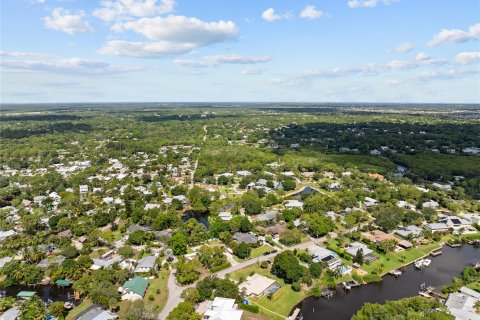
<point x="420" y="51"/>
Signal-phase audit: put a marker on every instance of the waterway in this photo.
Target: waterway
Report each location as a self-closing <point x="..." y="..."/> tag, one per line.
<point x="343" y="305"/>
<point x="202" y="218"/>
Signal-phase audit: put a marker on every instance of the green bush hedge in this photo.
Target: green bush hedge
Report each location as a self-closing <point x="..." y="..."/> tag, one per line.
<point x="221" y="267"/>
<point x="248" y="307"/>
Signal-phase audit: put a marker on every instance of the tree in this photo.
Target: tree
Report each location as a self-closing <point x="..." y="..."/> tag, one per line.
<point x="289" y="184"/>
<point x="291" y="237"/>
<point x="184" y="311"/>
<point x="389" y="217"/>
<point x="186" y="271"/>
<point x="191" y="295"/>
<point x="469" y="274"/>
<point x="316" y="269"/>
<point x="32" y="309"/>
<point x="245" y="224"/>
<point x="70" y="252"/>
<point x="358" y="256"/>
<point x="252" y="202"/>
<point x="318" y="225"/>
<point x="211" y="257"/>
<point x="287" y="267"/>
<point x="387" y="245"/>
<point x="242" y="250"/>
<point x="178" y="244"/>
<point x="138" y="237"/>
<point x="408" y="308"/>
<point x="126" y="252"/>
<point x="56" y="309"/>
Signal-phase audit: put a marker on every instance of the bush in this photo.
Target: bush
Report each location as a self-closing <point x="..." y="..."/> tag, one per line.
<point x="248" y="307"/>
<point x="296" y="286"/>
<point x="151" y="297"/>
<point x="220" y="267"/>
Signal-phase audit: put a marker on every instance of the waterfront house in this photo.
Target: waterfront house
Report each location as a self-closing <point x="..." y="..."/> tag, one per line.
<point x="222" y="309"/>
<point x="437" y="227"/>
<point x="256" y="285"/>
<point x="356" y="246"/>
<point x="321" y="254"/>
<point x="462" y="304"/>
<point x="405" y="232"/>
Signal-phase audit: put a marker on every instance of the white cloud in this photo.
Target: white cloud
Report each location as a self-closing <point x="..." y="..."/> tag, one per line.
<point x="467" y="57"/>
<point x="270" y="15"/>
<point x="215" y="60"/>
<point x="50" y="64"/>
<point x="254" y="70"/>
<point x="311" y="12"/>
<point x="170" y="35"/>
<point x="367" y="3"/>
<point x="121" y="9"/>
<point x="64" y="20"/>
<point x="455" y="36"/>
<point x="422" y="56"/>
<point x="404" y="47"/>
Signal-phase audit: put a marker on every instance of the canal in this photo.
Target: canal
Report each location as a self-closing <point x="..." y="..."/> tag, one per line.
<point x="344" y="304"/>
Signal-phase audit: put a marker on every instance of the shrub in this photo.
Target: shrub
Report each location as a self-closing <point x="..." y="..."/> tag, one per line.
<point x="220" y="267"/>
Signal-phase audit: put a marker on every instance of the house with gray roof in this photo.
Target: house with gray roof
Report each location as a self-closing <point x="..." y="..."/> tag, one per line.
<point x="405" y="232"/>
<point x="95" y="312"/>
<point x="245" y="237"/>
<point x="146" y="264"/>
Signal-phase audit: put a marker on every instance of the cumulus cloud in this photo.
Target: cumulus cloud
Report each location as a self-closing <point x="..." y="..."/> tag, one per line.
<point x="270" y="15"/>
<point x="404" y="47"/>
<point x="68" y="22"/>
<point x="367" y="3"/>
<point x="23" y="62"/>
<point x="452" y="36"/>
<point x="170" y="35"/>
<point x="121" y="9"/>
<point x="311" y="12"/>
<point x="215" y="60"/>
<point x="467" y="57"/>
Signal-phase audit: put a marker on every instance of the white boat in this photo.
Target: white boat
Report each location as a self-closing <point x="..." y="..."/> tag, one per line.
<point x="422" y="263"/>
<point x="396" y="273"/>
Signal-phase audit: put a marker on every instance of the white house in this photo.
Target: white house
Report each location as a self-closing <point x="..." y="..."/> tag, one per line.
<point x="294" y="204"/>
<point x="223" y="309"/>
<point x="83" y="188"/>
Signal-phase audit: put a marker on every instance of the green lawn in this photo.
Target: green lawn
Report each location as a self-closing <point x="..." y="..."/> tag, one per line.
<point x="280" y="307"/>
<point x="77" y="310"/>
<point x="474" y="285"/>
<point x="256" y="252"/>
<point x="159" y="283"/>
<point x="392" y="261"/>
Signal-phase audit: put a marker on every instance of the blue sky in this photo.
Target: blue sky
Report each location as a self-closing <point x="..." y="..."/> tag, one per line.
<point x="242" y="50"/>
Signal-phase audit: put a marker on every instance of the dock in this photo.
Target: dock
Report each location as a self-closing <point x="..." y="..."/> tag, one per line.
<point x="295" y="314"/>
<point x="436" y="253"/>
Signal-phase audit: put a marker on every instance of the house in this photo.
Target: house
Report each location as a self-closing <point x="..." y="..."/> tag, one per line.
<point x="462" y="304"/>
<point x="6" y="234"/>
<point x="377" y="236"/>
<point x="262" y="182"/>
<point x="294" y="204"/>
<point x="57" y="260"/>
<point x="442" y="186"/>
<point x="105" y="263"/>
<point x="454" y="222"/>
<point x="83" y="188"/>
<point x="181" y="198"/>
<point x="134" y="289"/>
<point x="321" y="254"/>
<point x="267" y="216"/>
<point x="55" y="196"/>
<point x="243" y="173"/>
<point x="256" y="285"/>
<point x="150" y="206"/>
<point x="225" y="216"/>
<point x="11" y="314"/>
<point x="405" y="205"/>
<point x="356" y="246"/>
<point x="245" y="237"/>
<point x="4" y="261"/>
<point x="38" y="199"/>
<point x="222" y="309"/>
<point x="369" y="202"/>
<point x="437" y="227"/>
<point x="430" y="204"/>
<point x="405" y="232"/>
<point x="146" y="264"/>
<point x="95" y="312"/>
<point x="135" y="227"/>
<point x="376" y="176"/>
<point x="375" y="152"/>
<point x="294" y="145"/>
<point x="65" y="234"/>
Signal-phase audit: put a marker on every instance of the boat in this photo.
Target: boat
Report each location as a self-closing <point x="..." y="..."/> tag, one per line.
<point x="436" y="253"/>
<point x="396" y="273"/>
<point x="422" y="263"/>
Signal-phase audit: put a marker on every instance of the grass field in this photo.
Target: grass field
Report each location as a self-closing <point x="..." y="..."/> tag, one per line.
<point x="159" y="283"/>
